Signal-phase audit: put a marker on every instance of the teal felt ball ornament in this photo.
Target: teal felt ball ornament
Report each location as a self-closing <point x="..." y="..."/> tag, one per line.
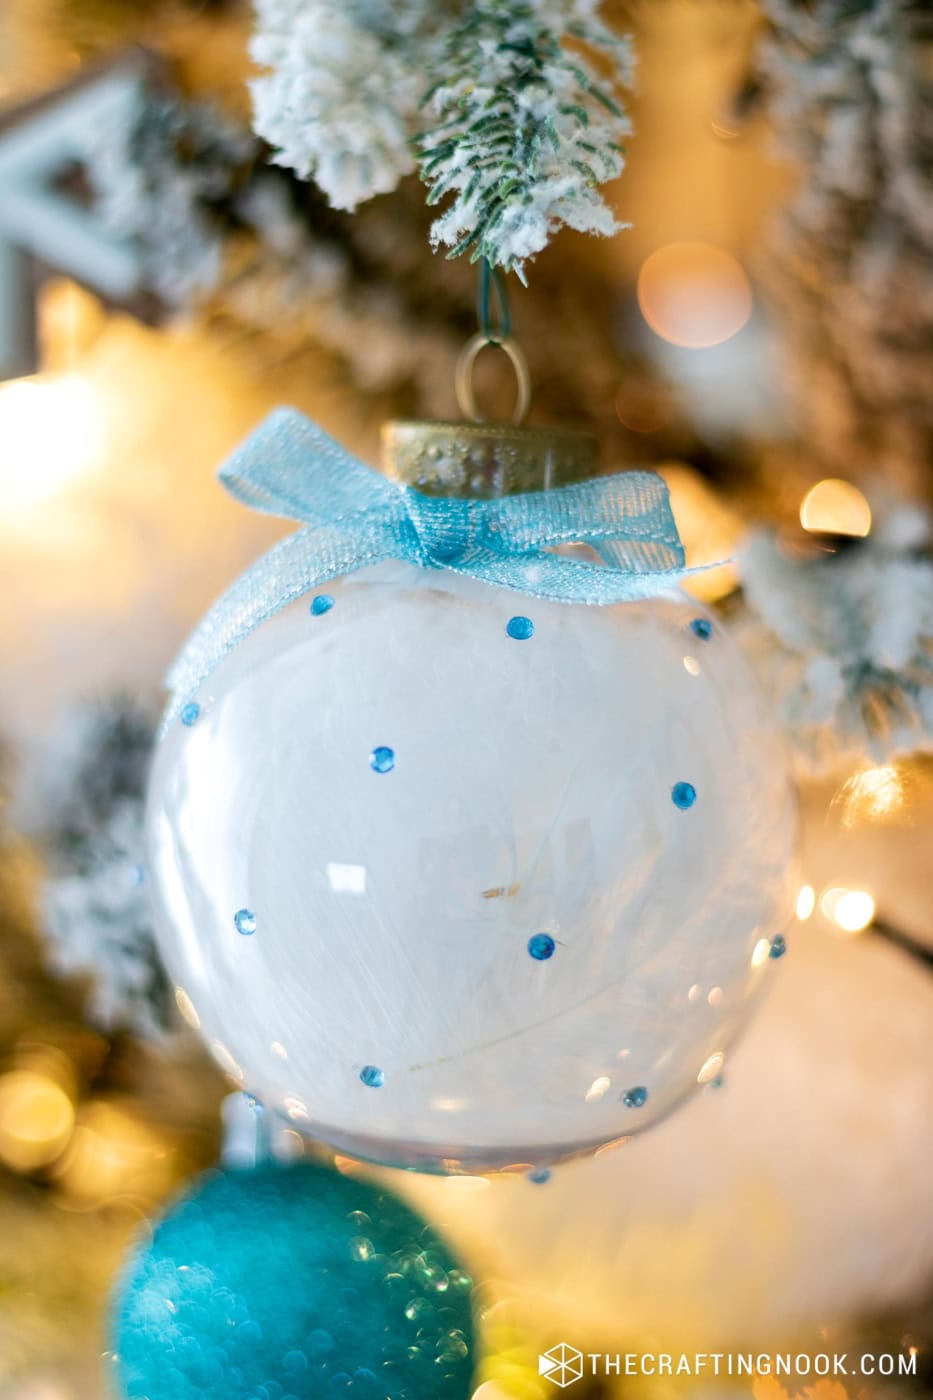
<point x="292" y="1283"/>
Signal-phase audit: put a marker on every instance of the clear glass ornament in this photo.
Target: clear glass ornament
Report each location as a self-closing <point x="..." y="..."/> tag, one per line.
<point x="459" y="878"/>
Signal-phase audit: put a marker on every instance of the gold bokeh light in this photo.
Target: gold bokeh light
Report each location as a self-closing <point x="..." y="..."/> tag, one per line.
<point x="694" y="294"/>
<point x="835" y="507"/>
<point x="850" y="910"/>
<point x="36" y="1120"/>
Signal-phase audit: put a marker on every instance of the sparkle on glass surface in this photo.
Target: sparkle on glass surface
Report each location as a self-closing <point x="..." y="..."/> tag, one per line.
<point x="778" y="946"/>
<point x="245" y="921"/>
<point x="372" y="1076"/>
<point x="711" y="1067"/>
<point x="189" y="713"/>
<point x="702" y="628"/>
<point x="382" y="759"/>
<point x="635" y="1098"/>
<point x="321" y="603"/>
<point x="541" y="946"/>
<point x="520" y="628"/>
<point x="539" y="1175"/>
<point x="683" y="795"/>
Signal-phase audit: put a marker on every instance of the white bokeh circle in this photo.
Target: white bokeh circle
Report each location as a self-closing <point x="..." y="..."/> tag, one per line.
<point x="500" y="898"/>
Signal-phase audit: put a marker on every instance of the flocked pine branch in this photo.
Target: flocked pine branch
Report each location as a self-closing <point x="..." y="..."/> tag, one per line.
<point x="341" y="93"/>
<point x="526" y="133"/>
<point x="844" y="643"/>
<point x="499" y="100"/>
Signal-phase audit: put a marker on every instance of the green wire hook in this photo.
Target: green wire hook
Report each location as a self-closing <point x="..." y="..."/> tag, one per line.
<point x="491" y="279"/>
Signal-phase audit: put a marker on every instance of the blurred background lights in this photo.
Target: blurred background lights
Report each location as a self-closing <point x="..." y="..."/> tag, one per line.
<point x="835" y="507"/>
<point x="872" y="795"/>
<point x="850" y="910"/>
<point x="36" y="1120"/>
<point x="51" y="432"/>
<point x="694" y="294"/>
<point x="112" y="1153"/>
<point x="709" y="529"/>
<point x="806" y="902"/>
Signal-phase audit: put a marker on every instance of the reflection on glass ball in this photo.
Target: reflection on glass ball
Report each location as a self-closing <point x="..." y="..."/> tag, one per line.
<point x="483" y="868"/>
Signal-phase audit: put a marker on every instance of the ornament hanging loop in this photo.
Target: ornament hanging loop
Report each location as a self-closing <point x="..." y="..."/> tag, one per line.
<point x="498" y="335"/>
<point x="463" y="376"/>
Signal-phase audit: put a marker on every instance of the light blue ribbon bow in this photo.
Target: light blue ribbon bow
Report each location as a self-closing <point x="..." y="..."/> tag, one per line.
<point x="354" y="517"/>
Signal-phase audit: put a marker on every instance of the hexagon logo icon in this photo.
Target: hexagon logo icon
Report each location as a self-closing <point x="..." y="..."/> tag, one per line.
<point x="562" y="1365"/>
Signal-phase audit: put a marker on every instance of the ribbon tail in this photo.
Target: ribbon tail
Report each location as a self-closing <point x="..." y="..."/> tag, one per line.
<point x="559" y="579"/>
<point x="288" y="466"/>
<point x="641" y="556"/>
<point x="288" y="570"/>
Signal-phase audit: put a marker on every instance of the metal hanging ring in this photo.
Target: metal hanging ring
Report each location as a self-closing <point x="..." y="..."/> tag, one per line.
<point x="463" y="376"/>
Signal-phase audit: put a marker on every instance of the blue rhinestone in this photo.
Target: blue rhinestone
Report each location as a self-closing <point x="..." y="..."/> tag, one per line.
<point x="717" y="1082"/>
<point x="245" y="921"/>
<point x="683" y="795"/>
<point x="778" y="946"/>
<point x="635" y="1098"/>
<point x="189" y="713"/>
<point x="541" y="946"/>
<point x="322" y="603"/>
<point x="520" y="628"/>
<point x="539" y="1175"/>
<point x="372" y="1077"/>
<point x="702" y="628"/>
<point x="382" y="760"/>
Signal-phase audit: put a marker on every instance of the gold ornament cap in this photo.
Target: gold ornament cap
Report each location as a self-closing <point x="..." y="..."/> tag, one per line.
<point x="485" y="459"/>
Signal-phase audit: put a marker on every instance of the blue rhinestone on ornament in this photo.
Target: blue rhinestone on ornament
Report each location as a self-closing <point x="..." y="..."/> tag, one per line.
<point x="190" y="713"/>
<point x="245" y="921"/>
<point x="541" y="946"/>
<point x="372" y="1076"/>
<point x="382" y="759"/>
<point x="778" y="946"/>
<point x="701" y="627"/>
<point x="539" y="1175"/>
<point x="683" y="795"/>
<point x="635" y="1098"/>
<point x="320" y="604"/>
<point x="520" y="628"/>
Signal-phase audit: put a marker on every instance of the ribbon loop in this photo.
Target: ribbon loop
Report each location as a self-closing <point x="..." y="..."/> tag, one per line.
<point x="354" y="517"/>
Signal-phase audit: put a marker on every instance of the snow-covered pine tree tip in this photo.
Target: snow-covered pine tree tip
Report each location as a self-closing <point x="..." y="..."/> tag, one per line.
<point x="341" y="95"/>
<point x="497" y="101"/>
<point x="525" y="131"/>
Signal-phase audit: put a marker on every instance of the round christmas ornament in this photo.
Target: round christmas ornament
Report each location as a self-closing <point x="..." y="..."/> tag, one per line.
<point x="292" y="1283"/>
<point x="467" y="831"/>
